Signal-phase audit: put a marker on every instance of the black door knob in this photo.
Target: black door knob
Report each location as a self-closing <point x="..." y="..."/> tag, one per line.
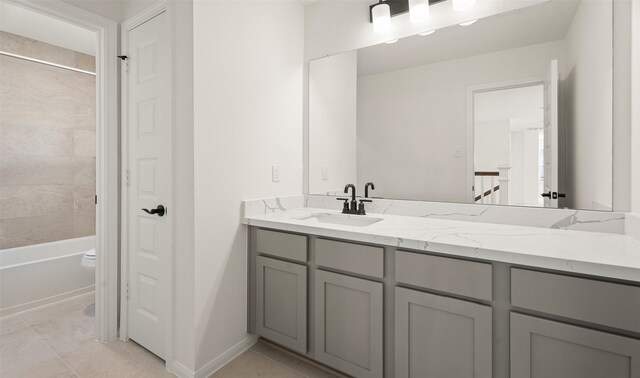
<point x="548" y="195"/>
<point x="160" y="210"/>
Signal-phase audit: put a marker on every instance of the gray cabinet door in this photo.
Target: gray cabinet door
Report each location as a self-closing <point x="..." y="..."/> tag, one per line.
<point x="438" y="336"/>
<point x="547" y="349"/>
<point x="281" y="302"/>
<point x="348" y="324"/>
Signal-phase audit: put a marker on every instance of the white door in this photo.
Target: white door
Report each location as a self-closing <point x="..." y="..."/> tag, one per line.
<point x="551" y="136"/>
<point x="149" y="158"/>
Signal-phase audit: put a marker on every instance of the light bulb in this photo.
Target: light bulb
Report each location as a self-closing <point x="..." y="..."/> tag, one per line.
<point x="418" y="10"/>
<point x="381" y="16"/>
<point x="461" y="5"/>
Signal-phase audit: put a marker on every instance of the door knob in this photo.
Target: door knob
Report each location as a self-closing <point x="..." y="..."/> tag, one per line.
<point x="548" y="195"/>
<point x="160" y="210"/>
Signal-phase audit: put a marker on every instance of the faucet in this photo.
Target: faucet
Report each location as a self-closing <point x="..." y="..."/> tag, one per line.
<point x="354" y="205"/>
<point x="366" y="189"/>
<point x="353" y="208"/>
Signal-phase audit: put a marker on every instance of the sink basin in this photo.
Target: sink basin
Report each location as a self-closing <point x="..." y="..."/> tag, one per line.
<point x="342" y="219"/>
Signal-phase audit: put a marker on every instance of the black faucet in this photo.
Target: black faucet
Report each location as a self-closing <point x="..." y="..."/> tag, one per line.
<point x="354" y="205"/>
<point x="366" y="189"/>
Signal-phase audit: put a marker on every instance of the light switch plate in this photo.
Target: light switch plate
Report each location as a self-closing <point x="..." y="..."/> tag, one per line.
<point x="275" y="173"/>
<point x="325" y="173"/>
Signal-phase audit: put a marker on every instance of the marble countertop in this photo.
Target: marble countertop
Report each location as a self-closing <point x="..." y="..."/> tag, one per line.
<point x="593" y="253"/>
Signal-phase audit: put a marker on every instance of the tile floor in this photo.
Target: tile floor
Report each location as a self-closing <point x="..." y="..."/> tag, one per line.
<point x="57" y="340"/>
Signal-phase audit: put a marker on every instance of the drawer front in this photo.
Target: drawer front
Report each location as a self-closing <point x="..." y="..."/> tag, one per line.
<point x="281" y="244"/>
<point x="350" y="257"/>
<point x="605" y="303"/>
<point x="468" y="278"/>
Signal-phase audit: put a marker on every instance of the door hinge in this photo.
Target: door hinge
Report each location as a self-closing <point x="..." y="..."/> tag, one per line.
<point x="125" y="59"/>
<point x="127" y="291"/>
<point x="126" y="177"/>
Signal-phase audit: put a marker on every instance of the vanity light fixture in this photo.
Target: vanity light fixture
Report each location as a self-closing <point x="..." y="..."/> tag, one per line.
<point x="381" y="17"/>
<point x="467" y="23"/>
<point x="462" y="5"/>
<point x="418" y="11"/>
<point x="381" y="12"/>
<point x="424" y="34"/>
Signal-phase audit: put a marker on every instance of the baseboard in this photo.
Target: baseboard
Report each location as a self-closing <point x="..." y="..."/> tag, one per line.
<point x="44" y="301"/>
<point x="231" y="353"/>
<point x="181" y="371"/>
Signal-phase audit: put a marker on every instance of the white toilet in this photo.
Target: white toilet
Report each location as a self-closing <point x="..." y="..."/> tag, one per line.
<point x="89" y="259"/>
<point x="89" y="263"/>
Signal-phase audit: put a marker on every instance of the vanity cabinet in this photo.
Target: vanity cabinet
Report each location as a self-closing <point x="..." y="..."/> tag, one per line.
<point x="437" y="336"/>
<point x="281" y="302"/>
<point x="546" y="349"/>
<point x="380" y="311"/>
<point x="348" y="324"/>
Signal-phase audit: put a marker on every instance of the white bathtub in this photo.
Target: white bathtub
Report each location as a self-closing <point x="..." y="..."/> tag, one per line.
<point x="35" y="275"/>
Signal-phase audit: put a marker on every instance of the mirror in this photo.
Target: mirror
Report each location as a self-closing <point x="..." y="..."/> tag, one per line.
<point x="503" y="111"/>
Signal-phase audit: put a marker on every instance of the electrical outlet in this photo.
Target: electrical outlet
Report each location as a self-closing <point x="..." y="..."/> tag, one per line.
<point x="325" y="173"/>
<point x="275" y="173"/>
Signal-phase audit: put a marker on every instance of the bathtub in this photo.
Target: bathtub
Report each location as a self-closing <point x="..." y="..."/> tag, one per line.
<point x="35" y="275"/>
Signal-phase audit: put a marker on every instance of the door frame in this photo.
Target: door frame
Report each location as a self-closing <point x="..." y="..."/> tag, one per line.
<point x="107" y="165"/>
<point x="126" y="27"/>
<point x="472" y="90"/>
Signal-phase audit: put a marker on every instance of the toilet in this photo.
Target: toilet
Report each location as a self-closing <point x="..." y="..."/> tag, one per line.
<point x="89" y="263"/>
<point x="89" y="259"/>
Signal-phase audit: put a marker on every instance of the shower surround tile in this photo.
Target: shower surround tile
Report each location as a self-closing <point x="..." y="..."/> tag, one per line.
<point x="35" y="140"/>
<point x="84" y="223"/>
<point x="35" y="200"/>
<point x="18" y="169"/>
<point x="17" y="232"/>
<point x="84" y="143"/>
<point x="47" y="144"/>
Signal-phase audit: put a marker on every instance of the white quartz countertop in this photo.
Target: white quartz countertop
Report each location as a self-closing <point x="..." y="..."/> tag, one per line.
<point x="594" y="253"/>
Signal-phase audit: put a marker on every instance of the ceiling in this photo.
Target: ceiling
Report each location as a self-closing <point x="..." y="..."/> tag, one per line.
<point x="536" y="24"/>
<point x="21" y="21"/>
<point x="522" y="106"/>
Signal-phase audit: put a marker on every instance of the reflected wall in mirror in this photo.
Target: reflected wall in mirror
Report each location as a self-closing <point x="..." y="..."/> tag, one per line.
<point x="505" y="110"/>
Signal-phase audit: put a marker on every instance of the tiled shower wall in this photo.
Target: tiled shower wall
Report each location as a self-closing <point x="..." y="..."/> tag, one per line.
<point x="47" y="144"/>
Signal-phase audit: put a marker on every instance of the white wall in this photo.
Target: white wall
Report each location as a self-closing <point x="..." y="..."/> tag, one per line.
<point x="492" y="144"/>
<point x="248" y="61"/>
<point x="426" y="109"/>
<point x="635" y="109"/>
<point x="588" y="94"/>
<point x="183" y="186"/>
<point x="332" y="122"/>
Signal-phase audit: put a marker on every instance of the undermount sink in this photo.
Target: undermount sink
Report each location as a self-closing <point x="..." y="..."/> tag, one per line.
<point x="342" y="219"/>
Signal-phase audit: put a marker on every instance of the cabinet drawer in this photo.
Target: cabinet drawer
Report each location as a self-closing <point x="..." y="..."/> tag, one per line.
<point x="350" y="257"/>
<point x="281" y="244"/>
<point x="605" y="303"/>
<point x="468" y="278"/>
